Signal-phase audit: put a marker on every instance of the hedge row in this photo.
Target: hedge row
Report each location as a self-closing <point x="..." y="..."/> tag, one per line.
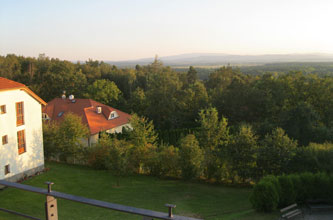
<point x="273" y="192"/>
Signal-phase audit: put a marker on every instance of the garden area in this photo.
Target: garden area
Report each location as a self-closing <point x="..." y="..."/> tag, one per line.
<point x="193" y="199"/>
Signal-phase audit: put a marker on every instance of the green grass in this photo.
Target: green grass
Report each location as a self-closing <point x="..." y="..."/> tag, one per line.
<point x="192" y="199"/>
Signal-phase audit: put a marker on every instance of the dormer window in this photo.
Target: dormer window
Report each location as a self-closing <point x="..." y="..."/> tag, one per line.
<point x="45" y="116"/>
<point x="113" y="115"/>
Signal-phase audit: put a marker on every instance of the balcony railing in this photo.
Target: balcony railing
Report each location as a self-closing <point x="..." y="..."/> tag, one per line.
<point x="51" y="210"/>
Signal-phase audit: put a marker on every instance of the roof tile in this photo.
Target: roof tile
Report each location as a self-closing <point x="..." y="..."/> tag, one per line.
<point x="87" y="110"/>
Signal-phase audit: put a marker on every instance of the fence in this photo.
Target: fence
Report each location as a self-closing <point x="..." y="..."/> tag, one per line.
<point x="51" y="209"/>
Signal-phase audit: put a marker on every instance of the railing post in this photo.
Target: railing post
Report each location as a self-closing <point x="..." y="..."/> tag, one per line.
<point x="170" y="206"/>
<point x="51" y="208"/>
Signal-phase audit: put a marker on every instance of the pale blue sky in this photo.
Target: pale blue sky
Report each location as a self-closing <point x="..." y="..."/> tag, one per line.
<point x="124" y="29"/>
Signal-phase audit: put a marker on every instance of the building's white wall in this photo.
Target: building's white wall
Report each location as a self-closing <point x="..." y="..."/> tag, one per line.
<point x="34" y="156"/>
<point x="94" y="139"/>
<point x="119" y="129"/>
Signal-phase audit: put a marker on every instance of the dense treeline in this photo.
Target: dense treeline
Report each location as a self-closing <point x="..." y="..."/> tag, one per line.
<point x="301" y="104"/>
<point x="213" y="152"/>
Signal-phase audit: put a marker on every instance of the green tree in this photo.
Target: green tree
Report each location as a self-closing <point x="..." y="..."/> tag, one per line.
<point x="242" y="153"/>
<point x="119" y="158"/>
<point x="213" y="132"/>
<point x="275" y="152"/>
<point x="191" y="157"/>
<point x="213" y="138"/>
<point x="51" y="142"/>
<point x="70" y="135"/>
<point x="192" y="75"/>
<point x="104" y="91"/>
<point x="143" y="137"/>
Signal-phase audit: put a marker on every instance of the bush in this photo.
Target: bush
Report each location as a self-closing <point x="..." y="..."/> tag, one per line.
<point x="287" y="194"/>
<point x="307" y="180"/>
<point x="292" y="188"/>
<point x="264" y="196"/>
<point x="298" y="188"/>
<point x="167" y="161"/>
<point x="97" y="156"/>
<point x="274" y="180"/>
<point x="191" y="157"/>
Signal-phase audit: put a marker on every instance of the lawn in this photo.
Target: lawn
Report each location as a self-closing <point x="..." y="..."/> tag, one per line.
<point x="199" y="200"/>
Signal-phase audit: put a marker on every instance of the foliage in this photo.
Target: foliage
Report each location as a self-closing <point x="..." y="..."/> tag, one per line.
<point x="287" y="191"/>
<point x="51" y="142"/>
<point x="264" y="197"/>
<point x="143" y="132"/>
<point x="299" y="102"/>
<point x="166" y="161"/>
<point x="64" y="140"/>
<point x="104" y="91"/>
<point x="213" y="132"/>
<point x="71" y="132"/>
<point x="242" y="153"/>
<point x="118" y="160"/>
<point x="191" y="157"/>
<point x="295" y="187"/>
<point x="143" y="139"/>
<point x="313" y="158"/>
<point x="275" y="153"/>
<point x="191" y="75"/>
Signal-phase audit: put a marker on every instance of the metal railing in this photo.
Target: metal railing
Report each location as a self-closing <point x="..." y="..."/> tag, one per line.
<point x="51" y="209"/>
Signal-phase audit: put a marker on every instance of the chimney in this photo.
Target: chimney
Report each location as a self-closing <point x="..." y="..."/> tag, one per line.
<point x="71" y="97"/>
<point x="99" y="109"/>
<point x="63" y="95"/>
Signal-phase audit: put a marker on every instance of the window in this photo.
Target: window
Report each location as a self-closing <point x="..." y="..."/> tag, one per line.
<point x="19" y="113"/>
<point x="7" y="169"/>
<point x="113" y="115"/>
<point x="4" y="139"/>
<point x="3" y="109"/>
<point x="21" y="141"/>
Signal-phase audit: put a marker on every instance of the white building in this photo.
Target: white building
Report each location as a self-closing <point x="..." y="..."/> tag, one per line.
<point x="21" y="135"/>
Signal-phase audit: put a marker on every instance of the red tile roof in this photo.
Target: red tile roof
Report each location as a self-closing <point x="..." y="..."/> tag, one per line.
<point x="87" y="110"/>
<point x="6" y="84"/>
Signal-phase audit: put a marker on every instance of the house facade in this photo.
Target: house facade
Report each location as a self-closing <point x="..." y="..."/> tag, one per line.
<point x="95" y="115"/>
<point x="21" y="134"/>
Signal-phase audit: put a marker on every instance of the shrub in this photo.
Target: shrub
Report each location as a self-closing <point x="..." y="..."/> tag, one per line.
<point x="321" y="187"/>
<point x="298" y="187"/>
<point x="307" y="180"/>
<point x="274" y="180"/>
<point x="168" y="160"/>
<point x="191" y="157"/>
<point x="287" y="193"/>
<point x="97" y="156"/>
<point x="264" y="196"/>
<point x="292" y="188"/>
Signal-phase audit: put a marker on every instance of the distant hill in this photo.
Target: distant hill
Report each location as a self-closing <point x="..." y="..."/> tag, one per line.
<point x="215" y="59"/>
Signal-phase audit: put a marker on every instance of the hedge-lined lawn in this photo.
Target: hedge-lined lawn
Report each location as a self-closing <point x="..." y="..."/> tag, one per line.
<point x="192" y="199"/>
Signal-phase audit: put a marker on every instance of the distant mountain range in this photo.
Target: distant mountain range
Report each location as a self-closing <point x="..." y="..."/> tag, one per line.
<point x="215" y="59"/>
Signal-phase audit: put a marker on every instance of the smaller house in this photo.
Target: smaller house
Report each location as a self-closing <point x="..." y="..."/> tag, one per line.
<point x="21" y="144"/>
<point x="96" y="116"/>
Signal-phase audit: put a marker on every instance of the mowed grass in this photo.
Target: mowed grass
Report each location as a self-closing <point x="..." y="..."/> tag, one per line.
<point x="199" y="200"/>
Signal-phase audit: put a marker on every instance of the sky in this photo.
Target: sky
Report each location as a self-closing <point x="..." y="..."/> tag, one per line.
<point x="132" y="29"/>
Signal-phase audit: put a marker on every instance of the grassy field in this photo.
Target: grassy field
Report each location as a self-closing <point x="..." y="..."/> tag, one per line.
<point x="192" y="199"/>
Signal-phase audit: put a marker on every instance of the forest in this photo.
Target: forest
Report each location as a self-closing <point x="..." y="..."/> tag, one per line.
<point x="251" y="118"/>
